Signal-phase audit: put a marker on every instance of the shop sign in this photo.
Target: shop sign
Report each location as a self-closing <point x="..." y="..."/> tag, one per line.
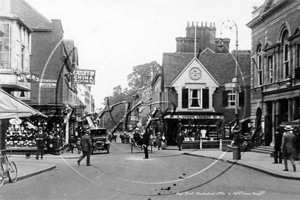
<point x="84" y="76"/>
<point x="194" y="117"/>
<point x="48" y="85"/>
<point x="147" y="94"/>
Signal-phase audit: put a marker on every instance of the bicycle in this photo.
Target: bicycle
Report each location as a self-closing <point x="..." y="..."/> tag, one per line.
<point x="10" y="171"/>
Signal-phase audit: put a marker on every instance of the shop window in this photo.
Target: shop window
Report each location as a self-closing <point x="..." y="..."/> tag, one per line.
<point x="271" y="69"/>
<point x="195" y="98"/>
<point x="4" y="46"/>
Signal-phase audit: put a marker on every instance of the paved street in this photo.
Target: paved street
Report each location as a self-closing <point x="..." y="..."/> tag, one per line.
<point x="168" y="174"/>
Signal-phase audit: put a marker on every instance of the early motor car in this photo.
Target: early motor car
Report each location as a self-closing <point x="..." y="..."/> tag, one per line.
<point x="99" y="140"/>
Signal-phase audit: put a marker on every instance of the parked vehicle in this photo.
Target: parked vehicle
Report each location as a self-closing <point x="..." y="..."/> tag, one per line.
<point x="99" y="140"/>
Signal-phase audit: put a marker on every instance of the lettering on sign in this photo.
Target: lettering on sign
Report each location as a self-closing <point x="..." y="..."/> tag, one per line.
<point x="48" y="85"/>
<point x="84" y="76"/>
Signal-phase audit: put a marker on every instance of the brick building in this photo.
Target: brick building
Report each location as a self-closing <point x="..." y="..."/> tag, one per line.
<point x="275" y="65"/>
<point x="195" y="83"/>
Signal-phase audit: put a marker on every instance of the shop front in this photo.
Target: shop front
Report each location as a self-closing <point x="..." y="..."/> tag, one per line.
<point x="16" y="129"/>
<point x="195" y="126"/>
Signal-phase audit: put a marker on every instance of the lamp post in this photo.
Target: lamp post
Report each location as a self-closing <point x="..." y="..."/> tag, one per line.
<point x="236" y="145"/>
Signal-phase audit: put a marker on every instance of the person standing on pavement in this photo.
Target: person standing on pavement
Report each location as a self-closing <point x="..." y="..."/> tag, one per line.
<point x="146" y="140"/>
<point x="158" y="140"/>
<point x="40" y="138"/>
<point x="287" y="147"/>
<point x="277" y="146"/>
<point x="86" y="147"/>
<point x="179" y="140"/>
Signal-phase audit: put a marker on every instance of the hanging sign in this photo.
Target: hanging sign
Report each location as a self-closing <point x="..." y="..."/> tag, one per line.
<point x="82" y="76"/>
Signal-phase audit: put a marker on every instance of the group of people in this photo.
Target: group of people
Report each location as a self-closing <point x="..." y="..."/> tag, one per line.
<point x="285" y="146"/>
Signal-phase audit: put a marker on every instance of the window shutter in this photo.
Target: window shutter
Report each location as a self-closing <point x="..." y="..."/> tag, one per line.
<point x="225" y="98"/>
<point x="241" y="98"/>
<point x="205" y="98"/>
<point x="185" y="98"/>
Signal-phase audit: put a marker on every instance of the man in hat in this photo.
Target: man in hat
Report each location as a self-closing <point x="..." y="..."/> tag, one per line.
<point x="287" y="147"/>
<point x="86" y="147"/>
<point x="40" y="138"/>
<point x="277" y="146"/>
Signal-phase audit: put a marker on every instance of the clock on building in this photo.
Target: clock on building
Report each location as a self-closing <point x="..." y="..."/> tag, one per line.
<point x="195" y="73"/>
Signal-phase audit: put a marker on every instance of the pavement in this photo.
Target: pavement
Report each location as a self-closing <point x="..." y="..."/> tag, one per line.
<point x="256" y="161"/>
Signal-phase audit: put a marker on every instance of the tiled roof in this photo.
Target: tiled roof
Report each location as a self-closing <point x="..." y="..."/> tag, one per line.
<point x="30" y="16"/>
<point x="220" y="65"/>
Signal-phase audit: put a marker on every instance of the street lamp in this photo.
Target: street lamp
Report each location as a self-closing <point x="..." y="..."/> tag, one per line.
<point x="236" y="145"/>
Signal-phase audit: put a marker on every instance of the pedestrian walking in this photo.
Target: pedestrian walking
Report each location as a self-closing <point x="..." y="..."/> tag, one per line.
<point x="179" y="140"/>
<point x="86" y="146"/>
<point x="109" y="136"/>
<point x="72" y="144"/>
<point x="158" y="140"/>
<point x="40" y="138"/>
<point x="287" y="147"/>
<point x="146" y="140"/>
<point x="277" y="146"/>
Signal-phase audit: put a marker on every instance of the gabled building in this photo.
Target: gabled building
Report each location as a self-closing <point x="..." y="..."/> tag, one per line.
<point x="195" y="84"/>
<point x="275" y="66"/>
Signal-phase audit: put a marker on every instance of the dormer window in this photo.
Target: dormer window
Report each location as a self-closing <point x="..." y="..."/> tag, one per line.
<point x="195" y="98"/>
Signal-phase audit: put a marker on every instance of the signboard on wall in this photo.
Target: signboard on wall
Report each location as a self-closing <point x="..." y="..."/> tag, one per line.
<point x="84" y="76"/>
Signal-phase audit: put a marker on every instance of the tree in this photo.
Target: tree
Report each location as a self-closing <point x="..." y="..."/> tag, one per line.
<point x="141" y="74"/>
<point x="136" y="80"/>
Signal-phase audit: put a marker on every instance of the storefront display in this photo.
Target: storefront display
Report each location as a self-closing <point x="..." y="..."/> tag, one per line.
<point x="20" y="135"/>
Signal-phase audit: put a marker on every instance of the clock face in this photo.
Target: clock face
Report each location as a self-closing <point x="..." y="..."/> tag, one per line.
<point x="195" y="73"/>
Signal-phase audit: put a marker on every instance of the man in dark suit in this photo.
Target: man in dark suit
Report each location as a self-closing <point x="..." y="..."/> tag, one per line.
<point x="277" y="146"/>
<point x="179" y="140"/>
<point x="86" y="146"/>
<point x="146" y="140"/>
<point x="40" y="139"/>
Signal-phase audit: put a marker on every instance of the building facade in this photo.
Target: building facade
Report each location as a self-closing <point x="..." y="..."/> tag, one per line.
<point x="36" y="66"/>
<point x="275" y="65"/>
<point x="197" y="85"/>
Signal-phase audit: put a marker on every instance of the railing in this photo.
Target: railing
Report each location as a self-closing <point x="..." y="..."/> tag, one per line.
<point x="219" y="143"/>
<point x="201" y="144"/>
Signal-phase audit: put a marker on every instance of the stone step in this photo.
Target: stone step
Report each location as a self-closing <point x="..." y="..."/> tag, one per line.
<point x="263" y="149"/>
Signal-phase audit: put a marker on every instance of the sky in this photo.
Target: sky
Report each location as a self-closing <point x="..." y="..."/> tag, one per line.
<point x="113" y="36"/>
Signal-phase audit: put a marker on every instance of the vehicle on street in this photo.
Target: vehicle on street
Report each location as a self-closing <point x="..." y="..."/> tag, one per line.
<point x="99" y="140"/>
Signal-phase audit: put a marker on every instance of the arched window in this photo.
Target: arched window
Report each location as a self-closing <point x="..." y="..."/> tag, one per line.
<point x="285" y="54"/>
<point x="259" y="66"/>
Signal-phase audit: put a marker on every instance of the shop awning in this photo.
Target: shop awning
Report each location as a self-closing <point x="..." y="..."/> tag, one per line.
<point x="11" y="107"/>
<point x="294" y="123"/>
